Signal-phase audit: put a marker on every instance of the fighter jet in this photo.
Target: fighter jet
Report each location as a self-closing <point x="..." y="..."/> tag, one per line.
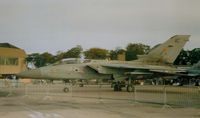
<point x="192" y="73"/>
<point x="158" y="62"/>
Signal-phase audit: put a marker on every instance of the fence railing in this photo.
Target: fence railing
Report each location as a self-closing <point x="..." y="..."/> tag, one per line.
<point x="185" y="96"/>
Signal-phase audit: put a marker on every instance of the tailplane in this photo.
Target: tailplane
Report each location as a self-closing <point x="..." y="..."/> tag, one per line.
<point x="167" y="52"/>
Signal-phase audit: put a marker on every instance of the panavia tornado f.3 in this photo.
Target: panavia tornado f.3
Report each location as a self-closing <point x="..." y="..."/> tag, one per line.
<point x="158" y="62"/>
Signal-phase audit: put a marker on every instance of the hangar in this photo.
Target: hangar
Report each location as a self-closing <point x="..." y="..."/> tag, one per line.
<point x="12" y="60"/>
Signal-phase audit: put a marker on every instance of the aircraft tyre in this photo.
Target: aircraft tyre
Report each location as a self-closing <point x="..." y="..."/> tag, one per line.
<point x="130" y="88"/>
<point x="117" y="87"/>
<point x="197" y="83"/>
<point x="66" y="89"/>
<point x="81" y="85"/>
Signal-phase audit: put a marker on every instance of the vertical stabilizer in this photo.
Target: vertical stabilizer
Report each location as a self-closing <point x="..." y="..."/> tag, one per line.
<point x="196" y="66"/>
<point x="167" y="52"/>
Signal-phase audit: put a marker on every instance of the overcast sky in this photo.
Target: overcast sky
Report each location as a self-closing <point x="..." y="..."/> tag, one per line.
<point x="52" y="25"/>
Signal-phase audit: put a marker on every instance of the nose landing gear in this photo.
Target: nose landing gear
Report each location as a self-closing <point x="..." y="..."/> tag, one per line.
<point x="66" y="89"/>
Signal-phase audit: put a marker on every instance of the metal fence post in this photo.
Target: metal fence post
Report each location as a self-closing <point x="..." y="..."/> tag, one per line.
<point x="165" y="105"/>
<point x="10" y="89"/>
<point x="47" y="97"/>
<point x="135" y="95"/>
<point x="25" y="90"/>
<point x="71" y="91"/>
<point x="100" y="94"/>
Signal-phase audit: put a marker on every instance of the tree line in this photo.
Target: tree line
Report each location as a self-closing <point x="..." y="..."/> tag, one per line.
<point x="132" y="50"/>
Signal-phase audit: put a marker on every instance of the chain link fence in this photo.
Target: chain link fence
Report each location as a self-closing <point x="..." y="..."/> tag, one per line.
<point x="185" y="96"/>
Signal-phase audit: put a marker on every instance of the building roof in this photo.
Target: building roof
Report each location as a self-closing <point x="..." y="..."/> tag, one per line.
<point x="7" y="45"/>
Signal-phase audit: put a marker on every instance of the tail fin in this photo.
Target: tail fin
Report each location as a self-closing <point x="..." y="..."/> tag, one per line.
<point x="196" y="66"/>
<point x="167" y="52"/>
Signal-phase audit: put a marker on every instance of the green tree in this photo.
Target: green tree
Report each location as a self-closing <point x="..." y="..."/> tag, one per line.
<point x="134" y="49"/>
<point x="36" y="59"/>
<point x="74" y="52"/>
<point x="48" y="58"/>
<point x="194" y="56"/>
<point x="183" y="58"/>
<point x="188" y="57"/>
<point x="114" y="53"/>
<point x="59" y="55"/>
<point x="96" y="53"/>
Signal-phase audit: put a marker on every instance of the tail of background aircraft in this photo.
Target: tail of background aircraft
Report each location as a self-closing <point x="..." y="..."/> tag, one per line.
<point x="167" y="52"/>
<point x="196" y="66"/>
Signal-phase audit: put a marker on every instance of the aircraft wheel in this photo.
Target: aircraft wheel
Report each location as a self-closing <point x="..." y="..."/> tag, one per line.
<point x="81" y="85"/>
<point x="130" y="88"/>
<point x="197" y="83"/>
<point x="66" y="89"/>
<point x="117" y="87"/>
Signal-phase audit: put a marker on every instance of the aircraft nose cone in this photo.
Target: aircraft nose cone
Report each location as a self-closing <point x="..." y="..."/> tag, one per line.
<point x="36" y="73"/>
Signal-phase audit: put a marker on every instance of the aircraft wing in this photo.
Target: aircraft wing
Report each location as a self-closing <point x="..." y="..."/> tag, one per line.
<point x="138" y="73"/>
<point x="145" y="69"/>
<point x="193" y="75"/>
<point x="151" y="68"/>
<point x="168" y="72"/>
<point x="126" y="66"/>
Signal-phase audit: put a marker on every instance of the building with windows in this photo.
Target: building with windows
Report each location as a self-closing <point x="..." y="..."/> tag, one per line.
<point x="12" y="60"/>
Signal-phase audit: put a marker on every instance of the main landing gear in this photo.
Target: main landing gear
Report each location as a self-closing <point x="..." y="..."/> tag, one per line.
<point x="117" y="86"/>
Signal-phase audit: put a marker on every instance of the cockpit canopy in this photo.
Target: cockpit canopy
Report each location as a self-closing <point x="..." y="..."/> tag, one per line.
<point x="72" y="61"/>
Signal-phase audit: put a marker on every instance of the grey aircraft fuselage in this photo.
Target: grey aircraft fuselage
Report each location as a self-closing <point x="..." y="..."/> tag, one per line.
<point x="96" y="70"/>
<point x="158" y="62"/>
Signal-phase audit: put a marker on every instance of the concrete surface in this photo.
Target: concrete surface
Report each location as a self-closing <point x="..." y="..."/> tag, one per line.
<point x="88" y="108"/>
<point x="82" y="104"/>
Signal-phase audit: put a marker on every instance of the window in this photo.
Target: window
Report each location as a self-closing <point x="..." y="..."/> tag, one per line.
<point x="8" y="61"/>
<point x="2" y="61"/>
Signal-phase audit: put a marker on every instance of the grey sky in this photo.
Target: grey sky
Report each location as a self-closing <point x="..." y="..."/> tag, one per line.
<point x="52" y="25"/>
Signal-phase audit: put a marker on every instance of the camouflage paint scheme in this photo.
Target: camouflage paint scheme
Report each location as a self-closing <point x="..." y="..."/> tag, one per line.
<point x="158" y="62"/>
